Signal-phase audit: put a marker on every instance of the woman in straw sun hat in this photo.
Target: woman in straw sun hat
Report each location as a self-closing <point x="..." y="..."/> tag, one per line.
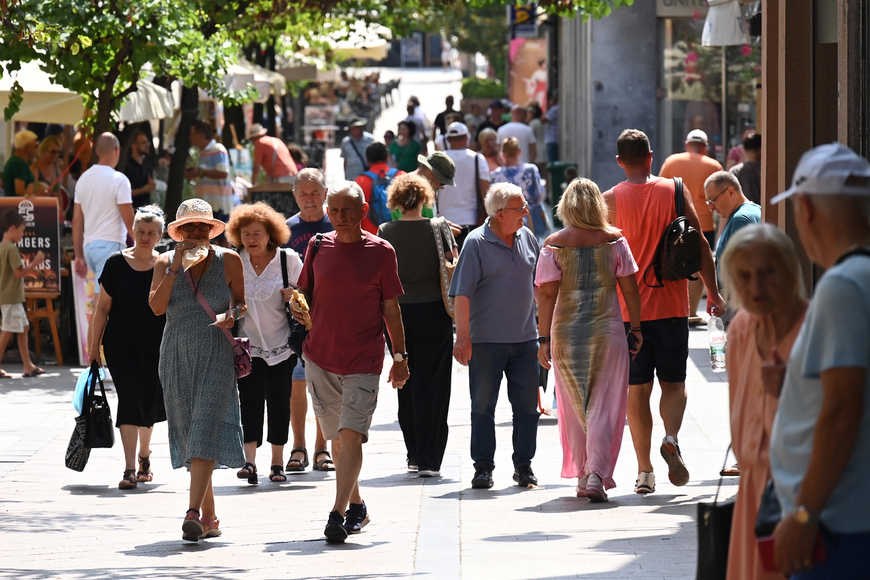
<point x="196" y="358"/>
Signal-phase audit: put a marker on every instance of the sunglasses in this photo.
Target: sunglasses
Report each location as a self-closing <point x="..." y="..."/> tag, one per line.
<point x="156" y="212"/>
<point x="192" y="227"/>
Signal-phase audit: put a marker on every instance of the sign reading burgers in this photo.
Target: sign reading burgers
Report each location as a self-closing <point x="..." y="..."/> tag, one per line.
<point x="41" y="234"/>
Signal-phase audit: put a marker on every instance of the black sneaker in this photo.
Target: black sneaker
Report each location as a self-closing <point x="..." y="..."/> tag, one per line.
<point x="482" y="479"/>
<point x="335" y="531"/>
<point x="524" y="476"/>
<point x="356" y="518"/>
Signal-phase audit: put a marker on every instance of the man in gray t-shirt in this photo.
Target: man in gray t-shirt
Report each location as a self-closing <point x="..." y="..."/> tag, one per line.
<point x="493" y="286"/>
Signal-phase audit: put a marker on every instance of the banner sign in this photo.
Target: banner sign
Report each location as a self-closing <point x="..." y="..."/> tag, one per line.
<point x="528" y="71"/>
<point x="523" y="20"/>
<point x="41" y="234"/>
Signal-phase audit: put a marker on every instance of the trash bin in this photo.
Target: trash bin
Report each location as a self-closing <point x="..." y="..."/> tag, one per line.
<point x="557" y="178"/>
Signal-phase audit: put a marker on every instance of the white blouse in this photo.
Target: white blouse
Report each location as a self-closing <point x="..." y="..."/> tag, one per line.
<point x="265" y="323"/>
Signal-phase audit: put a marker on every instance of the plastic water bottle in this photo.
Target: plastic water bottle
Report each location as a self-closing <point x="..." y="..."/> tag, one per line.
<point x="716" y="334"/>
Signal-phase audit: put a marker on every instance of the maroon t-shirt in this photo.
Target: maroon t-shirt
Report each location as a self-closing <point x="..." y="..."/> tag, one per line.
<point x="349" y="285"/>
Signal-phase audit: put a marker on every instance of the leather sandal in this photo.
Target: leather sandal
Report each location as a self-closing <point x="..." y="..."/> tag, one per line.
<point x="129" y="481"/>
<point x="249" y="472"/>
<point x="323" y="464"/>
<point x="296" y="465"/>
<point x="277" y="474"/>
<point x="144" y="474"/>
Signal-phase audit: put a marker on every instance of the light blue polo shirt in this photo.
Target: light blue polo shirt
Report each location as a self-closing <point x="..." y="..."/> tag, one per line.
<point x="835" y="334"/>
<point x="747" y="214"/>
<point x="499" y="282"/>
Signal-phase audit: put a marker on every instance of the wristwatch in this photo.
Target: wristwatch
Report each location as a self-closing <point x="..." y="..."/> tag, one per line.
<point x="804" y="516"/>
<point x="400" y="356"/>
<point x="543" y="339"/>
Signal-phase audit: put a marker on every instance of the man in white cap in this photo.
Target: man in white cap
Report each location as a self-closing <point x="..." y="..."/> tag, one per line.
<point x="353" y="148"/>
<point x="460" y="203"/>
<point x="272" y="155"/>
<point x="695" y="167"/>
<point x="820" y="443"/>
<point x="523" y="133"/>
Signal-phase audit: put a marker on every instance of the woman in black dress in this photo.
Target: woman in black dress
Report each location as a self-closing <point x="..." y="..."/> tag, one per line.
<point x="131" y="335"/>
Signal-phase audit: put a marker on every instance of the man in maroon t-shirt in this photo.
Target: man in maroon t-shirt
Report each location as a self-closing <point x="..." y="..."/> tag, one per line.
<point x="356" y="280"/>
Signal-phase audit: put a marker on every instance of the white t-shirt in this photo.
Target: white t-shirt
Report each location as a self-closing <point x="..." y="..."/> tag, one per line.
<point x="458" y="203"/>
<point x="523" y="134"/>
<point x="100" y="190"/>
<point x="265" y="322"/>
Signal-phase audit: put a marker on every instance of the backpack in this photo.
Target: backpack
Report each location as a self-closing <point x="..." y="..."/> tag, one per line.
<point x="678" y="254"/>
<point x="378" y="210"/>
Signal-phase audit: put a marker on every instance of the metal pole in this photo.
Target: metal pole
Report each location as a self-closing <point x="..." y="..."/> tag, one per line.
<point x="724" y="108"/>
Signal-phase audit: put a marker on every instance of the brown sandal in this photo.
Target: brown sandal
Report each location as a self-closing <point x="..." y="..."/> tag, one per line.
<point x="144" y="474"/>
<point x="323" y="464"/>
<point x="129" y="481"/>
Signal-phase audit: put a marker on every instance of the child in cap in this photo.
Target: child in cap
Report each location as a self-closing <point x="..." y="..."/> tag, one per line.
<point x="12" y="272"/>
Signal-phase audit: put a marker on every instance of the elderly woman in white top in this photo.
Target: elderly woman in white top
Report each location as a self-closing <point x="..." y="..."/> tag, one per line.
<point x="259" y="232"/>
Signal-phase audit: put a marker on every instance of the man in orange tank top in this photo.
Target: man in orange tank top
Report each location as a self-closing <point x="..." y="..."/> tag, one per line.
<point x="642" y="206"/>
<point x="694" y="166"/>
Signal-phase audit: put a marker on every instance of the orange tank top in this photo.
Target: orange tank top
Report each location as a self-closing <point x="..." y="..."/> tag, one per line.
<point x="643" y="211"/>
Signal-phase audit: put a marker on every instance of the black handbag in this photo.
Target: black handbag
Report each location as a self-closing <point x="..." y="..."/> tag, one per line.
<point x="714" y="534"/>
<point x="100" y="433"/>
<point x="77" y="452"/>
<point x="297" y="330"/>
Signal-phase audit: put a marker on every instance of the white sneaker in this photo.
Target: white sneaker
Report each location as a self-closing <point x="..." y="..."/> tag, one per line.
<point x="428" y="473"/>
<point x="677" y="472"/>
<point x="595" y="488"/>
<point x="646" y="482"/>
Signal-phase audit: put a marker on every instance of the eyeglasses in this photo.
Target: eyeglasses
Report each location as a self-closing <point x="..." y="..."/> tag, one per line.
<point x="712" y="202"/>
<point x="519" y="209"/>
<point x="192" y="227"/>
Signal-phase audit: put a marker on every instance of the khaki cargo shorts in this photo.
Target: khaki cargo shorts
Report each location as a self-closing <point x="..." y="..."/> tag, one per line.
<point x="342" y="401"/>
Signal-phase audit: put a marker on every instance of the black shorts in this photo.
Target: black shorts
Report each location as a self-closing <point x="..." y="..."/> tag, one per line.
<point x="664" y="352"/>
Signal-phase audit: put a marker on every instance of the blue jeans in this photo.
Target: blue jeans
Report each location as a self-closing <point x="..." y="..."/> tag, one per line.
<point x="846" y="557"/>
<point x="518" y="362"/>
<point x="552" y="152"/>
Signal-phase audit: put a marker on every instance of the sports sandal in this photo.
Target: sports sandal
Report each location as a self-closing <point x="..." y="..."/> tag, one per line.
<point x="144" y="474"/>
<point x="295" y="464"/>
<point x="191" y="527"/>
<point x="249" y="472"/>
<point x="277" y="474"/>
<point x="323" y="464"/>
<point x="129" y="481"/>
<point x="210" y="527"/>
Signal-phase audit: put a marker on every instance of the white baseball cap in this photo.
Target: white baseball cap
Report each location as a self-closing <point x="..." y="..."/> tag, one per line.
<point x="831" y="169"/>
<point x="696" y="136"/>
<point x="457" y="129"/>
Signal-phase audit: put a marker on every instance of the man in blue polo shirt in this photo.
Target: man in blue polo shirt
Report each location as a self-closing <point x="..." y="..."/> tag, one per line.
<point x="495" y="330"/>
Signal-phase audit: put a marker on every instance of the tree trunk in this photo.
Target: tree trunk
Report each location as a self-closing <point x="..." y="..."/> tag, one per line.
<point x="233" y="117"/>
<point x="189" y="112"/>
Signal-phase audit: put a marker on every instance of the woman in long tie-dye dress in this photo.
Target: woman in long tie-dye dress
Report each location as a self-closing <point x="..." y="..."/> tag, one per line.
<point x="581" y="326"/>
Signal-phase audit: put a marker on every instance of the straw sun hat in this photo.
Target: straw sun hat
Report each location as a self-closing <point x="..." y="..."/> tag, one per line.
<point x="195" y="211"/>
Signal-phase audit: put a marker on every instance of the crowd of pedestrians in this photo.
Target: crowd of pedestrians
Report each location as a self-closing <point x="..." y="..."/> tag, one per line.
<point x="362" y="267"/>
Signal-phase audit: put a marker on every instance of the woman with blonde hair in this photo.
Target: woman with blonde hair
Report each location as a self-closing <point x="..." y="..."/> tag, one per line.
<point x="528" y="178"/>
<point x="46" y="172"/>
<point x="488" y="141"/>
<point x="258" y="231"/>
<point x="425" y="399"/>
<point x="762" y="277"/>
<point x="581" y="328"/>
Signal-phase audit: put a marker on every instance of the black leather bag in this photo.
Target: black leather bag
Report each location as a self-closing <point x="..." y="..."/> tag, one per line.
<point x="100" y="432"/>
<point x="297" y="330"/>
<point x="678" y="255"/>
<point x="714" y="535"/>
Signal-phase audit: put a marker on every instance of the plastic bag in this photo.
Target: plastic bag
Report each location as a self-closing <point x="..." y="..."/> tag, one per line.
<point x="81" y="384"/>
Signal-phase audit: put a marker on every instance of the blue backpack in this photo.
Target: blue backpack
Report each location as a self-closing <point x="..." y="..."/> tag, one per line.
<point x="378" y="210"/>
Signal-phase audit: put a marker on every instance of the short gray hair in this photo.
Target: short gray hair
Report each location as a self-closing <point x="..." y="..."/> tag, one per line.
<point x="312" y="174"/>
<point x="498" y="196"/>
<point x="350" y="188"/>
<point x="150" y="214"/>
<point x="721" y="178"/>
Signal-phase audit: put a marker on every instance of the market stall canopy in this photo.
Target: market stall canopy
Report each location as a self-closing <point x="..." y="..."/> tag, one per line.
<point x="359" y="42"/>
<point x="264" y="81"/>
<point x="297" y="67"/>
<point x="45" y="102"/>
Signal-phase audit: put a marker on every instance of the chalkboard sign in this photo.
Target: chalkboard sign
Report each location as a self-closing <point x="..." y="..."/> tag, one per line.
<point x="281" y="201"/>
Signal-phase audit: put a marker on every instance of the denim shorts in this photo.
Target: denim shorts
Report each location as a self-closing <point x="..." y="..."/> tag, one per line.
<point x="96" y="254"/>
<point x="299" y="370"/>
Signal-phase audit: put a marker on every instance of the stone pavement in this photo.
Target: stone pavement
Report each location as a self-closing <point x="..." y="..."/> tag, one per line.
<point x="56" y="523"/>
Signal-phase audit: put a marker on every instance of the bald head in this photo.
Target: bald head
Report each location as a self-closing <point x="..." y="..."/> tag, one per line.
<point x="106" y="144"/>
<point x="518" y="113"/>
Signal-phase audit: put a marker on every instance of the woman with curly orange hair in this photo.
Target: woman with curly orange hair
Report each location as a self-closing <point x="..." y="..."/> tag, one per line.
<point x="258" y="231"/>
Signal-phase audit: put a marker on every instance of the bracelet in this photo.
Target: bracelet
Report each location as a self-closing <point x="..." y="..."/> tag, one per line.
<point x="170" y="271"/>
<point x="236" y="312"/>
<point x="635" y="328"/>
<point x="543" y="339"/>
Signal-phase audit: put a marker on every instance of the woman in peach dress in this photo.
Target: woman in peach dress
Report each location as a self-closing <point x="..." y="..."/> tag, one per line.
<point x="762" y="277"/>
